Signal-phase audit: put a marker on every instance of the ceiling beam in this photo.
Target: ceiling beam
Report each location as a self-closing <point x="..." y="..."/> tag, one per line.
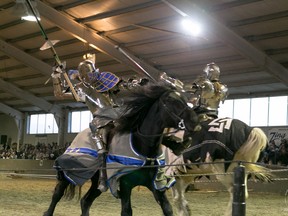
<point x="34" y="63"/>
<point x="252" y="82"/>
<point x="186" y="7"/>
<point x="269" y="17"/>
<point x="259" y="94"/>
<point x="11" y="112"/>
<point x="25" y="58"/>
<point x="97" y="41"/>
<point x="32" y="99"/>
<point x="32" y="35"/>
<point x="231" y="4"/>
<point x="154" y="22"/>
<point x="119" y="11"/>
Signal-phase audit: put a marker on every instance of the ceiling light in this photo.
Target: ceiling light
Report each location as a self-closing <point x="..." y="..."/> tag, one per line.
<point x="191" y="26"/>
<point x="27" y="8"/>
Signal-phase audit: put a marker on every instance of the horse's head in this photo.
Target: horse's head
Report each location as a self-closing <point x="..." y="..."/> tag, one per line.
<point x="157" y="106"/>
<point x="150" y="110"/>
<point x="176" y="113"/>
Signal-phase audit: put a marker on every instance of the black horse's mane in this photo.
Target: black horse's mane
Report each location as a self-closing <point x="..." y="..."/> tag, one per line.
<point x="138" y="104"/>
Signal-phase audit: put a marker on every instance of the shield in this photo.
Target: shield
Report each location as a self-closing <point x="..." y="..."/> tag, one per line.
<point x="105" y="81"/>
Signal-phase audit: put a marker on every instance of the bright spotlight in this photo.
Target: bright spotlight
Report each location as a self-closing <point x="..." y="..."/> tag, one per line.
<point x="27" y="9"/>
<point x="191" y="27"/>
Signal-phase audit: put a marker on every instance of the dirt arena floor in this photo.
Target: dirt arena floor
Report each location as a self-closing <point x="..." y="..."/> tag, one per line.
<point x="30" y="196"/>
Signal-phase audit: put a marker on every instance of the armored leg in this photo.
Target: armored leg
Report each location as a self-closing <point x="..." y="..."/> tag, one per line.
<point x="103" y="174"/>
<point x="100" y="147"/>
<point x="163" y="181"/>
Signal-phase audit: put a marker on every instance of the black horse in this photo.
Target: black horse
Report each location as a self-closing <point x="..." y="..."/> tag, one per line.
<point x="139" y="131"/>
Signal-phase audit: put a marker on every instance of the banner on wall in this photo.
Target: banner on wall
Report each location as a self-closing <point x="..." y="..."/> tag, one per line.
<point x="277" y="135"/>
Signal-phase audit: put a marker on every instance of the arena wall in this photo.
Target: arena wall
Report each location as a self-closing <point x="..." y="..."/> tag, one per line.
<point x="25" y="166"/>
<point x="39" y="168"/>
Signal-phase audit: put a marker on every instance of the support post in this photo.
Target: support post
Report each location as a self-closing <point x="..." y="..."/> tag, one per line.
<point x="239" y="205"/>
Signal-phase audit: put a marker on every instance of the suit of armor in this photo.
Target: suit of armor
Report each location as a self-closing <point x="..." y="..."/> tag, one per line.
<point x="208" y="92"/>
<point x="97" y="90"/>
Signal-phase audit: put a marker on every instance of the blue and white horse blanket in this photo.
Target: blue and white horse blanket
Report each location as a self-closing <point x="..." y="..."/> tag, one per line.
<point x="79" y="162"/>
<point x="123" y="159"/>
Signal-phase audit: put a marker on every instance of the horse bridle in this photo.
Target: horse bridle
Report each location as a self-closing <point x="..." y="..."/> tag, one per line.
<point x="181" y="124"/>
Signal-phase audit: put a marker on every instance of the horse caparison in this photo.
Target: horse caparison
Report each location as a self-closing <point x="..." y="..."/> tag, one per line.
<point x="148" y="112"/>
<point x="217" y="149"/>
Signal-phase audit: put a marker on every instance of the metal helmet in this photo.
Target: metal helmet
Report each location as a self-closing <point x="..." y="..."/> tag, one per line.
<point x="212" y="71"/>
<point x="86" y="71"/>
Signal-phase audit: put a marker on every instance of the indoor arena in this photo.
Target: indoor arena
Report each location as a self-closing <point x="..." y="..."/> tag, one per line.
<point x="143" y="107"/>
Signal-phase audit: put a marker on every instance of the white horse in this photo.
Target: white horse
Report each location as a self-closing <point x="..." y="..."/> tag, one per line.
<point x="223" y="140"/>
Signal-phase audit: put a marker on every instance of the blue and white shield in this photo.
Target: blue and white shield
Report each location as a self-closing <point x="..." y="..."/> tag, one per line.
<point x="105" y="81"/>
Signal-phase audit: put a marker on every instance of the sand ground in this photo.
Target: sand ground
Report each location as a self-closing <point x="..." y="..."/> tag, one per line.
<point x="26" y="196"/>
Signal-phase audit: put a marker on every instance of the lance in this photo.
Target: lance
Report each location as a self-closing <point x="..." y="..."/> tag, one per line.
<point x="136" y="63"/>
<point x="173" y="82"/>
<point x="50" y="45"/>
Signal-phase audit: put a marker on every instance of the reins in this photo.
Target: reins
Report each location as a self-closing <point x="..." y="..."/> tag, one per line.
<point x="155" y="135"/>
<point x="181" y="124"/>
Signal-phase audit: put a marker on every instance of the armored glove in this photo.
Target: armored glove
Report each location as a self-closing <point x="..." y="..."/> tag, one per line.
<point x="58" y="69"/>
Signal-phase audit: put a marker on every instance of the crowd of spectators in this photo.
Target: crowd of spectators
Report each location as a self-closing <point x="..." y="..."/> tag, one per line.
<point x="274" y="154"/>
<point x="40" y="151"/>
<point x="277" y="153"/>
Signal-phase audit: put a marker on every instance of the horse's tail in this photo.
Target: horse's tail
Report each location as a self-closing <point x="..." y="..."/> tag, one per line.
<point x="259" y="172"/>
<point x="70" y="192"/>
<point x="251" y="149"/>
<point x="250" y="152"/>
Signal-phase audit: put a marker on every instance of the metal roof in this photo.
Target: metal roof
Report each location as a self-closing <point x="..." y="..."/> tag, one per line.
<point x="248" y="39"/>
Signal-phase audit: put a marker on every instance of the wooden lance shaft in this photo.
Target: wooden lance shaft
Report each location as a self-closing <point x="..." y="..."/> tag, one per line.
<point x="54" y="53"/>
<point x="136" y="63"/>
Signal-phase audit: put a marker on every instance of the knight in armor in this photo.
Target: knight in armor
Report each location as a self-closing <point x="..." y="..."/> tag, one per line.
<point x="207" y="92"/>
<point x="98" y="91"/>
